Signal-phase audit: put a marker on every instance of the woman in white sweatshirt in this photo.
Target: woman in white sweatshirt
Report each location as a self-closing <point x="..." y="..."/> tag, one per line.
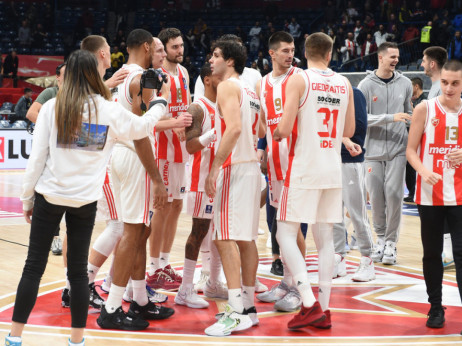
<point x="73" y="140"/>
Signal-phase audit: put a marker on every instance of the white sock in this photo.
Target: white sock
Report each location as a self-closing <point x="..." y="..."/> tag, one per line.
<point x="206" y="261"/>
<point x="248" y="294"/>
<point x="235" y="299"/>
<point x="92" y="272"/>
<point x="164" y="259"/>
<point x="323" y="238"/>
<point x="81" y="343"/>
<point x="114" y="300"/>
<point x="303" y="285"/>
<point x="68" y="284"/>
<point x="154" y="264"/>
<point x="139" y="292"/>
<point x="215" y="264"/>
<point x="188" y="271"/>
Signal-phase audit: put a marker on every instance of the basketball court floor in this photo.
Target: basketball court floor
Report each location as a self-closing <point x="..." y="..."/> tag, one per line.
<point x="390" y="310"/>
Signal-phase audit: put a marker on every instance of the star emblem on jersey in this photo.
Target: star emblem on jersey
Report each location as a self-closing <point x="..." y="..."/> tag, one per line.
<point x="369" y="169"/>
<point x="375" y="98"/>
<point x="435" y="122"/>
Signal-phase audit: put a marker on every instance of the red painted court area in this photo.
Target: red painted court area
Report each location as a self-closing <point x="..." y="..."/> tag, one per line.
<point x="361" y="310"/>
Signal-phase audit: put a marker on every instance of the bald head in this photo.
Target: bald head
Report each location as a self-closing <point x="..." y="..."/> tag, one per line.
<point x="159" y="53"/>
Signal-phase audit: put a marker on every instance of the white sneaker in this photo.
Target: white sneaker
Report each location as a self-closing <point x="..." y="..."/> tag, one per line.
<point x="276" y="293"/>
<point x="292" y="301"/>
<point x="366" y="271"/>
<point x="57" y="246"/>
<point x="339" y="266"/>
<point x="259" y="287"/>
<point x="389" y="254"/>
<point x="155" y="296"/>
<point x="229" y="322"/>
<point x="187" y="296"/>
<point x="260" y="231"/>
<point x="269" y="244"/>
<point x="215" y="290"/>
<point x="200" y="285"/>
<point x="377" y="253"/>
<point x="106" y="285"/>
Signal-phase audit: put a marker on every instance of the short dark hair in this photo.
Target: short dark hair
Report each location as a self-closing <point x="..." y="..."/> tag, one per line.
<point x="231" y="37"/>
<point x="278" y="37"/>
<point x="232" y="50"/>
<point x="437" y="54"/>
<point x="92" y="43"/>
<point x="138" y="37"/>
<point x="206" y="71"/>
<point x="317" y="45"/>
<point x="59" y="67"/>
<point x="167" y="34"/>
<point x="453" y="65"/>
<point x="417" y="81"/>
<point x="385" y="46"/>
<point x="27" y="90"/>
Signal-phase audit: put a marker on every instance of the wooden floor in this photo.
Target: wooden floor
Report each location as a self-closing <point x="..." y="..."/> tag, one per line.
<point x="13" y="248"/>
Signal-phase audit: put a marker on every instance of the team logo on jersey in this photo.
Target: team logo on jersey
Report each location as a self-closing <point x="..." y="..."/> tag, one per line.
<point x="435" y="122"/>
<point x="184" y="84"/>
<point x="182" y="189"/>
<point x="369" y="169"/>
<point x="374" y="98"/>
<point x="208" y="209"/>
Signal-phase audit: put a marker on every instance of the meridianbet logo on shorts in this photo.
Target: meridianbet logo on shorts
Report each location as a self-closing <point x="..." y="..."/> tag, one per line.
<point x="2" y="149"/>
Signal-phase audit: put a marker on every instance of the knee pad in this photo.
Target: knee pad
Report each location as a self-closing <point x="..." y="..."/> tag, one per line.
<point x="107" y="240"/>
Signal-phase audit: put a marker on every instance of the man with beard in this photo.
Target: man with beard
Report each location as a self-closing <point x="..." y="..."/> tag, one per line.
<point x="171" y="156"/>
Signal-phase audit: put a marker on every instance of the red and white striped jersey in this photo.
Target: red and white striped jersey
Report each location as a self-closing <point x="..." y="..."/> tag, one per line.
<point x="122" y="96"/>
<point x="201" y="161"/>
<point x="314" y="152"/>
<point x="168" y="145"/>
<point x="272" y="95"/>
<point x="245" y="149"/>
<point x="440" y="137"/>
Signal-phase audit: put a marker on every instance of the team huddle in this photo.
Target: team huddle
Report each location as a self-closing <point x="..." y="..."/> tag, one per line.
<point x="305" y="116"/>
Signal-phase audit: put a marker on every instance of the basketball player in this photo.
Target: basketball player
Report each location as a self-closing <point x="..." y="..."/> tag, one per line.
<point x="200" y="143"/>
<point x="171" y="156"/>
<point x="237" y="189"/>
<point x="271" y="90"/>
<point x="133" y="168"/>
<point x="251" y="77"/>
<point x="434" y="150"/>
<point x="107" y="241"/>
<point x="388" y="97"/>
<point x="318" y="111"/>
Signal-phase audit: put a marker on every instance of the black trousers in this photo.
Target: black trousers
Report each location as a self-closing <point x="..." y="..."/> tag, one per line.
<point x="432" y="226"/>
<point x="45" y="219"/>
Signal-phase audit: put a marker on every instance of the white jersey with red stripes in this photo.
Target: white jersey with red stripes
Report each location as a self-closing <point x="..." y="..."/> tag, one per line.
<point x="314" y="152"/>
<point x="245" y="149"/>
<point x="272" y="95"/>
<point x="168" y="145"/>
<point x="440" y="137"/>
<point x="201" y="161"/>
<point x="122" y="96"/>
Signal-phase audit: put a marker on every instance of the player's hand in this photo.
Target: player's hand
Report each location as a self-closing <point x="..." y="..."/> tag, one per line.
<point x="160" y="195"/>
<point x="184" y="120"/>
<point x="455" y="157"/>
<point x="403" y="117"/>
<point x="353" y="148"/>
<point x="430" y="177"/>
<point x="181" y="133"/>
<point x="28" y="215"/>
<point x="117" y="78"/>
<point x="210" y="183"/>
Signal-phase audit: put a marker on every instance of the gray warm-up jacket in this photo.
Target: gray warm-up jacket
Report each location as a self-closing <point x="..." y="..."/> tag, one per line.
<point x="386" y="139"/>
